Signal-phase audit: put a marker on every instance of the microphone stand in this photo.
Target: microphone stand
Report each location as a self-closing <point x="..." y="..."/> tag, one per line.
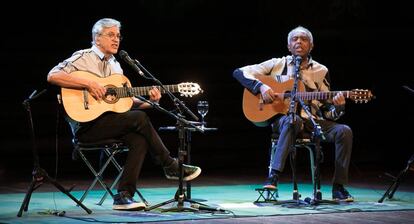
<point x="389" y="193"/>
<point x="183" y="132"/>
<point x="39" y="175"/>
<point x="317" y="136"/>
<point x="396" y="180"/>
<point x="292" y="108"/>
<point x="292" y="105"/>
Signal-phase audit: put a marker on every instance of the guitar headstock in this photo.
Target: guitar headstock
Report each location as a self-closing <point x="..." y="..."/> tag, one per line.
<point x="361" y="95"/>
<point x="189" y="89"/>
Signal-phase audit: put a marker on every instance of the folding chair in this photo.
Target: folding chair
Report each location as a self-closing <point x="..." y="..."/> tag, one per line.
<point x="108" y="149"/>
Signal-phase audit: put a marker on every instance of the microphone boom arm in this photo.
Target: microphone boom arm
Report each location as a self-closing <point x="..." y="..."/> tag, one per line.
<point x="179" y="104"/>
<point x="138" y="67"/>
<point x="158" y="107"/>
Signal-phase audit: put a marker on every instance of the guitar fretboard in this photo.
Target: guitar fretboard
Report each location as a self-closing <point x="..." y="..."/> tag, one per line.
<point x="142" y="91"/>
<point x="319" y="95"/>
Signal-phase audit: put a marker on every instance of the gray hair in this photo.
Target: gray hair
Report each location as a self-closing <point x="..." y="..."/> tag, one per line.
<point x="101" y="24"/>
<point x="300" y="29"/>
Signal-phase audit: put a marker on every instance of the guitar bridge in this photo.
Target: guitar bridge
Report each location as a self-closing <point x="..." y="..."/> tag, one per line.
<point x="85" y="100"/>
<point x="261" y="102"/>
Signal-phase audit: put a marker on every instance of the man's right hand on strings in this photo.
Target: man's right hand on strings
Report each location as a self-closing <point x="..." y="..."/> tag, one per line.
<point x="96" y="90"/>
<point x="268" y="95"/>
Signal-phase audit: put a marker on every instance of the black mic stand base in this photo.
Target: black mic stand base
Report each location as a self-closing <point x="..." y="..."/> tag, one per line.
<point x="294" y="202"/>
<point x="40" y="176"/>
<point x="180" y="199"/>
<point x="317" y="200"/>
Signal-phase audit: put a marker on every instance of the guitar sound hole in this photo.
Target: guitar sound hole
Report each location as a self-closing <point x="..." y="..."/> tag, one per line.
<point x="110" y="96"/>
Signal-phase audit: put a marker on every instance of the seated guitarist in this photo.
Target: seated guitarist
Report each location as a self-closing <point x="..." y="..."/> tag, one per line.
<point x="133" y="127"/>
<point x="315" y="78"/>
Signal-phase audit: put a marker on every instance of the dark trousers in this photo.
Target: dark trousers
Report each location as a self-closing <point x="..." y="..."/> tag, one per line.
<point x="339" y="134"/>
<point x="134" y="128"/>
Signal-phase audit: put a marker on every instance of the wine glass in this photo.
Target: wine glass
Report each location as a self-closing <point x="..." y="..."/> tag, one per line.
<point x="202" y="108"/>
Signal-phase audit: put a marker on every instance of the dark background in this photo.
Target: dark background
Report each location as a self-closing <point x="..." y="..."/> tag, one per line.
<point x="365" y="45"/>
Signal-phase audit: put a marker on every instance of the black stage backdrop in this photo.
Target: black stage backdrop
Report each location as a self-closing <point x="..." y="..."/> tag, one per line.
<point x="365" y="45"/>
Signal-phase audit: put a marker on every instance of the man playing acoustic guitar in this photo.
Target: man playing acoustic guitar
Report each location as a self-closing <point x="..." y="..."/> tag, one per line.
<point x="326" y="110"/>
<point x="133" y="127"/>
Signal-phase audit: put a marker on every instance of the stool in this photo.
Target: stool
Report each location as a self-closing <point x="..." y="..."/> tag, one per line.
<point x="303" y="141"/>
<point x="108" y="148"/>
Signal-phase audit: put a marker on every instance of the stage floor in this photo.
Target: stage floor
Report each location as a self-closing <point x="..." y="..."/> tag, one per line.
<point x="233" y="192"/>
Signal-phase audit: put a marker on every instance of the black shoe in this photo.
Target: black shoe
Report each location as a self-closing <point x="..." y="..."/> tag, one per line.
<point x="190" y="172"/>
<point x="341" y="194"/>
<point x="124" y="201"/>
<point x="271" y="182"/>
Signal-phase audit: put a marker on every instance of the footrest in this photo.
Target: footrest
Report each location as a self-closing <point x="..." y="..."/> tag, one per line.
<point x="266" y="195"/>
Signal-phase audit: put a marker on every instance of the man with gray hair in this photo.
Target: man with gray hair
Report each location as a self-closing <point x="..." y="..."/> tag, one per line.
<point x="132" y="127"/>
<point x="315" y="77"/>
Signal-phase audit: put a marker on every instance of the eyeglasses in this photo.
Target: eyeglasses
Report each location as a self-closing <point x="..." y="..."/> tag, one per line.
<point x="112" y="36"/>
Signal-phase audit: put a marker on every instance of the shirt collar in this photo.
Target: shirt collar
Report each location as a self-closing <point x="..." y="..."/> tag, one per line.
<point x="100" y="54"/>
<point x="290" y="60"/>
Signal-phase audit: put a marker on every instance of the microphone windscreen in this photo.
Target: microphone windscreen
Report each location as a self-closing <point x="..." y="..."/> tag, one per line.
<point x="123" y="54"/>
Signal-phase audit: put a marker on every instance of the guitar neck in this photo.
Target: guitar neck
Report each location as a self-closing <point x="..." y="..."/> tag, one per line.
<point x="142" y="91"/>
<point x="321" y="95"/>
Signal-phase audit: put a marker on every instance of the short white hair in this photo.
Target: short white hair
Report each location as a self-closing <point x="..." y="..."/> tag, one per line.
<point x="300" y="29"/>
<point x="101" y="24"/>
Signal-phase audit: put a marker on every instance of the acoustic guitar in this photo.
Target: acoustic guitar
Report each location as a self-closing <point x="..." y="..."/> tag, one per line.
<point x="259" y="112"/>
<point x="82" y="106"/>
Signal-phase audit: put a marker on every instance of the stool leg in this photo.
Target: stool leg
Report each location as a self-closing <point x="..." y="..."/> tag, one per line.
<point x="98" y="175"/>
<point x="111" y="157"/>
<point x="312" y="162"/>
<point x="269" y="195"/>
<point x="272" y="153"/>
<point x="88" y="164"/>
<point x="110" y="188"/>
<point x="120" y="170"/>
<point x="142" y="197"/>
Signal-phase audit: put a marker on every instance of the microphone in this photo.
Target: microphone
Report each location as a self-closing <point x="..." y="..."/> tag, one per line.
<point x="124" y="55"/>
<point x="298" y="61"/>
<point x="207" y="208"/>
